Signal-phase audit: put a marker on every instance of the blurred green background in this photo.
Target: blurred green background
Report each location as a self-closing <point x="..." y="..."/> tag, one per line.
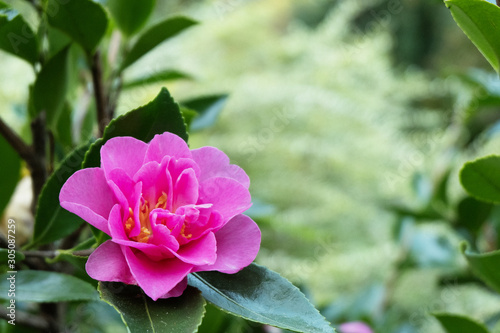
<point x="344" y="114"/>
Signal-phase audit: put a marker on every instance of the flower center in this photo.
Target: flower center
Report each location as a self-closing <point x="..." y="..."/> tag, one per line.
<point x="145" y="224"/>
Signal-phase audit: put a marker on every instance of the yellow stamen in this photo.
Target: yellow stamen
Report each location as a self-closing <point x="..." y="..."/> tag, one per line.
<point x="129" y="224"/>
<point x="144" y="213"/>
<point x="162" y="201"/>
<point x="183" y="230"/>
<point x="145" y="232"/>
<point x="143" y="237"/>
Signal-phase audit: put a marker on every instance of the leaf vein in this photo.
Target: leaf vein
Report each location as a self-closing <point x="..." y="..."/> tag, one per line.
<point x="147" y="312"/>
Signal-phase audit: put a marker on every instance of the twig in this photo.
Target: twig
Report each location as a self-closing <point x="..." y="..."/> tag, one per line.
<point x="99" y="94"/>
<point x="16" y="142"/>
<point x="22" y="318"/>
<point x="53" y="254"/>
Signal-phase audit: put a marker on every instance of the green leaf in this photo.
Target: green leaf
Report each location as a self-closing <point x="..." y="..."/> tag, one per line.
<point x="78" y="263"/>
<point x="261" y="295"/>
<point x="57" y="40"/>
<point x="188" y="115"/>
<point x="130" y="15"/>
<point x="484" y="265"/>
<point x="440" y="192"/>
<point x="160" y="115"/>
<point x="49" y="91"/>
<point x="420" y="213"/>
<point x="479" y="20"/>
<point x="208" y="109"/>
<point x="4" y="256"/>
<point x="52" y="222"/>
<point x="481" y="178"/>
<point x="155" y="35"/>
<point x="162" y="76"/>
<point x="16" y="36"/>
<point x="472" y="214"/>
<point x="87" y="244"/>
<point x="85" y="21"/>
<point x="454" y="323"/>
<point x="10" y="168"/>
<point x="62" y="129"/>
<point x="47" y="287"/>
<point x="216" y="320"/>
<point x="141" y="314"/>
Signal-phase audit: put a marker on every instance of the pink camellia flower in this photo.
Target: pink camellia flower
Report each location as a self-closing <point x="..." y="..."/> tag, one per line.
<point x="169" y="210"/>
<point x="355" y="327"/>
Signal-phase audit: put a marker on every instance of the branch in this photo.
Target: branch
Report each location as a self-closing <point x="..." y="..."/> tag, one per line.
<point x="16" y="142"/>
<point x="100" y="99"/>
<point x="33" y="155"/>
<point x="22" y="318"/>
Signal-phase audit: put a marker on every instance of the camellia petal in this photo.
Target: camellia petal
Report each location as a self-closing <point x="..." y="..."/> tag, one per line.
<point x="116" y="230"/>
<point x="200" y="252"/>
<point x="87" y="194"/>
<point x="227" y="196"/>
<point x="238" y="243"/>
<point x="125" y="189"/>
<point x="155" y="180"/>
<point x="107" y="263"/>
<point x="156" y="278"/>
<point x="185" y="189"/>
<point x="214" y="163"/>
<point x="113" y="156"/>
<point x="152" y="251"/>
<point x="178" y="289"/>
<point x="177" y="166"/>
<point x="167" y="144"/>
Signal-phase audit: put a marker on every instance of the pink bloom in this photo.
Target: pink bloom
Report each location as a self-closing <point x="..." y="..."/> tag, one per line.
<point x="355" y="327"/>
<point x="169" y="210"/>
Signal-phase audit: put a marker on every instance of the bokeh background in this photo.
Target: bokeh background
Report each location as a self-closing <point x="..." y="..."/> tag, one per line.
<point x="352" y="118"/>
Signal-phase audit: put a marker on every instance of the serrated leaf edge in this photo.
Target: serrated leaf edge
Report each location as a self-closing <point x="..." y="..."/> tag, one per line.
<point x="234" y="302"/>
